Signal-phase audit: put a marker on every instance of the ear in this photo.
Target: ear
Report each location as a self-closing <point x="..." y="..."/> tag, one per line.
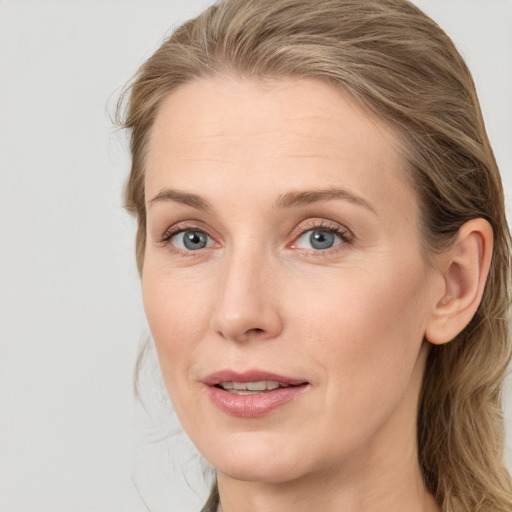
<point x="464" y="270"/>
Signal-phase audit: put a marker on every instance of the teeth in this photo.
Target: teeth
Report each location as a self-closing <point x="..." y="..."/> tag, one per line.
<point x="262" y="385"/>
<point x="256" y="386"/>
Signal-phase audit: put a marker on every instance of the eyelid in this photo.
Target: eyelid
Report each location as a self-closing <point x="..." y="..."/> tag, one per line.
<point x="338" y="229"/>
<point x="188" y="225"/>
<point x="185" y="225"/>
<point x="174" y="240"/>
<point x="322" y="224"/>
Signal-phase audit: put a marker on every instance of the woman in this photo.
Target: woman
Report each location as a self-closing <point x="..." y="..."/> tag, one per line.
<point x="325" y="257"/>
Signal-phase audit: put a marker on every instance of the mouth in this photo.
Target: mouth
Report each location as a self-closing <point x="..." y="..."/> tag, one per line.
<point x="252" y="388"/>
<point x="254" y="393"/>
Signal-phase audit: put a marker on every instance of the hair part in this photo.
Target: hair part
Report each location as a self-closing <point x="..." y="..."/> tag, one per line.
<point x="397" y="63"/>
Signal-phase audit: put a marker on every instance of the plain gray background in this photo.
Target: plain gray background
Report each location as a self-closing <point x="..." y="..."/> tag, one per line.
<point x="71" y="317"/>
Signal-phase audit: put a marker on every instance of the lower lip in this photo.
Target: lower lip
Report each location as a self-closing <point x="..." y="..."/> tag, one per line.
<point x="253" y="406"/>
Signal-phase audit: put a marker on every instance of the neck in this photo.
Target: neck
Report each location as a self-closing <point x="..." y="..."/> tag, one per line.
<point x="361" y="489"/>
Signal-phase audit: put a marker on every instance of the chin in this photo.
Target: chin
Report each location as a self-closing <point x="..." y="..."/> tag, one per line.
<point x="254" y="460"/>
<point x="260" y="471"/>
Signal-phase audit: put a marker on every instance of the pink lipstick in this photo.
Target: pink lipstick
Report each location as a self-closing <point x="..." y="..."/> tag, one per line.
<point x="253" y="393"/>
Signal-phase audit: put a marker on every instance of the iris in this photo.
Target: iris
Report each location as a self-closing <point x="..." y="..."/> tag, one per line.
<point x="321" y="239"/>
<point x="194" y="240"/>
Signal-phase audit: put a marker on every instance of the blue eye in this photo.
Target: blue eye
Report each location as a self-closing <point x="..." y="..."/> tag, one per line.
<point x="318" y="239"/>
<point x="191" y="240"/>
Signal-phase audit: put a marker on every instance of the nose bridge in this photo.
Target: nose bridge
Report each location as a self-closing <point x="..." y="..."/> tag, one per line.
<point x="246" y="305"/>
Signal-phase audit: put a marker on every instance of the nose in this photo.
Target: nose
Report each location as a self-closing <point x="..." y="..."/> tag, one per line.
<point x="247" y="305"/>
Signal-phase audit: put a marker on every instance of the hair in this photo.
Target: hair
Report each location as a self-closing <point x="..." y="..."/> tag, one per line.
<point x="399" y="64"/>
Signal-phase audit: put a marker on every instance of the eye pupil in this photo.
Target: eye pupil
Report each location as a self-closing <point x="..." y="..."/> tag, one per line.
<point x="321" y="239"/>
<point x="194" y="240"/>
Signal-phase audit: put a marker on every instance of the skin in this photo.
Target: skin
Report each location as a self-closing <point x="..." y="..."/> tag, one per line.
<point x="351" y="320"/>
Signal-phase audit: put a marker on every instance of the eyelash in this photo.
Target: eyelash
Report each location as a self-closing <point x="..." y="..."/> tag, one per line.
<point x="344" y="234"/>
<point x="176" y="230"/>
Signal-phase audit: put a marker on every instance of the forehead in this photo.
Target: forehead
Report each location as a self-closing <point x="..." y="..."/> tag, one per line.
<point x="276" y="135"/>
<point x="225" y="106"/>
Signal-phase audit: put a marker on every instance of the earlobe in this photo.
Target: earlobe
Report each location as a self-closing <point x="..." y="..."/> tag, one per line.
<point x="464" y="272"/>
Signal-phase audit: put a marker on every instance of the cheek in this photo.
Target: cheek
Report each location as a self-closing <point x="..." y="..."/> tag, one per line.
<point x="177" y="313"/>
<point x="366" y="328"/>
<point x="364" y="335"/>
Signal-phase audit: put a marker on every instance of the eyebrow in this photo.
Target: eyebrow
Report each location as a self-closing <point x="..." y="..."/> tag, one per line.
<point x="288" y="200"/>
<point x="178" y="196"/>
<point x="291" y="199"/>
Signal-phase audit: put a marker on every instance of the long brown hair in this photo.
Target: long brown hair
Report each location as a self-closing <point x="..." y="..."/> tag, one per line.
<point x="398" y="63"/>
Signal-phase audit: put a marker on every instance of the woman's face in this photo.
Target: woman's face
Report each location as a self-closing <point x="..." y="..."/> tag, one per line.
<point x="283" y="279"/>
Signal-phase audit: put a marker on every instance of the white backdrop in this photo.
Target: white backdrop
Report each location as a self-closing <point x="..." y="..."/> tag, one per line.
<point x="70" y="311"/>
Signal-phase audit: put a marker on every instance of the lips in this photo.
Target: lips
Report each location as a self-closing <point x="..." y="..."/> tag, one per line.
<point x="253" y="393"/>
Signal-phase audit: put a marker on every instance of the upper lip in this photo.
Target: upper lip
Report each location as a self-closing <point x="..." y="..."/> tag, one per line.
<point x="249" y="376"/>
